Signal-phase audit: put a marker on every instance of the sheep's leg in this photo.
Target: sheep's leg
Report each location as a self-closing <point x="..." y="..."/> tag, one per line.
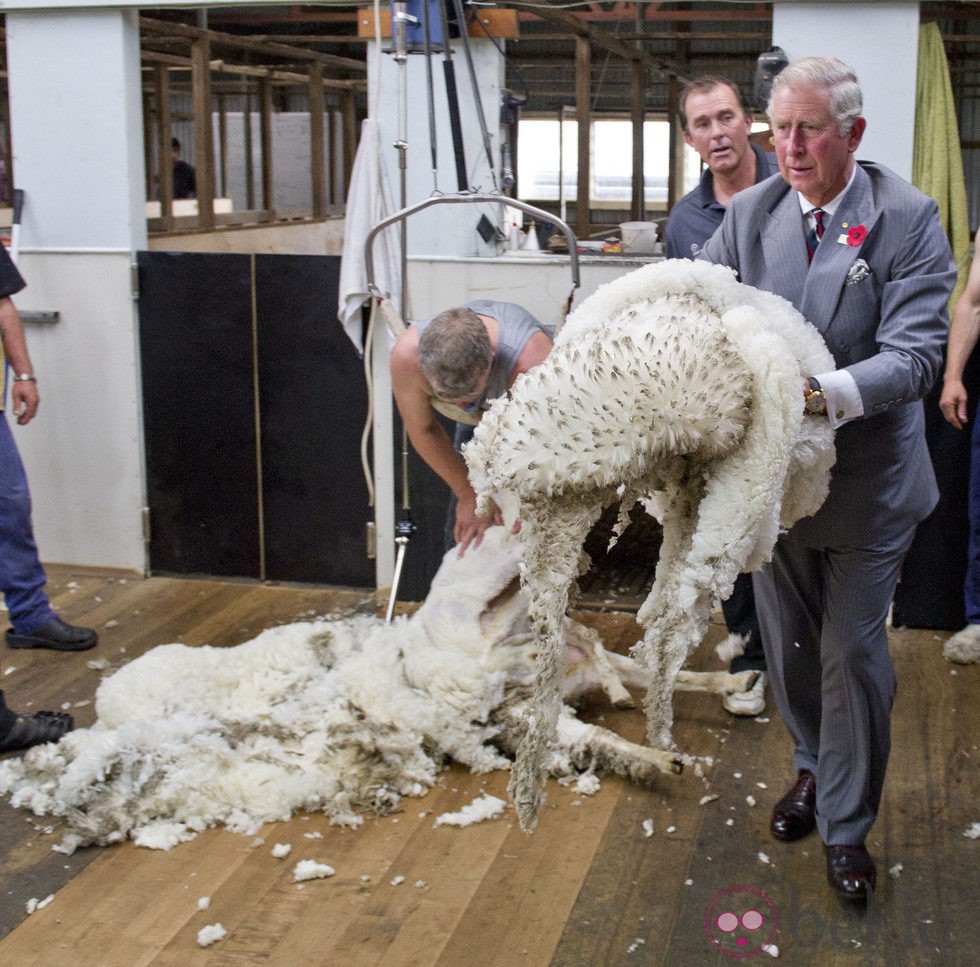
<point x="553" y="541"/>
<point x="590" y="665"/>
<point x="632" y="675"/>
<point x="592" y="744"/>
<point x="716" y="683"/>
<point x="671" y="626"/>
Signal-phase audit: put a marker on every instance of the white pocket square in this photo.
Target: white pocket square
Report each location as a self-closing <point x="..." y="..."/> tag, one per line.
<point x="857" y="272"/>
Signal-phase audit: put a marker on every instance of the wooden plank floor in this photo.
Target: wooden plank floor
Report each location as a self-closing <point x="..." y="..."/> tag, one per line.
<point x="588" y="888"/>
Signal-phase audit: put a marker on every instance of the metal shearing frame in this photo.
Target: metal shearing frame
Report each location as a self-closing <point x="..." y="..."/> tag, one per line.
<point x="390" y="545"/>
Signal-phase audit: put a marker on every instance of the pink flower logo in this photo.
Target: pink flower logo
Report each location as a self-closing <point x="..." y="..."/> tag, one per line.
<point x="856" y="235"/>
<point x="741" y="922"/>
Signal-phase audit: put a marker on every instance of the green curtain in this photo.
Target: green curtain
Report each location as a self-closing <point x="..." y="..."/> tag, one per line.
<point x="937" y="161"/>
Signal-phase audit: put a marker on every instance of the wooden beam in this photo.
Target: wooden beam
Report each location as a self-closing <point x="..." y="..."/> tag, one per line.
<point x="147" y="144"/>
<point x="637" y="116"/>
<point x="675" y="181"/>
<point x="203" y="134"/>
<point x="350" y="136"/>
<point x="540" y="36"/>
<point x="317" y="153"/>
<point x="248" y="148"/>
<point x="265" y="126"/>
<point x="165" y="172"/>
<point x="222" y="146"/>
<point x="583" y="90"/>
<point x="302" y="54"/>
<point x="600" y="38"/>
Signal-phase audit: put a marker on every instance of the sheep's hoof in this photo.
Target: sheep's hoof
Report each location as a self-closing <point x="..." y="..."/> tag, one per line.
<point x="741" y="681"/>
<point x="677" y="766"/>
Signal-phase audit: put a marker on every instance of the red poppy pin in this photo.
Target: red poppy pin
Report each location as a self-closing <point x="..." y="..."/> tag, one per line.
<point x="856" y="235"/>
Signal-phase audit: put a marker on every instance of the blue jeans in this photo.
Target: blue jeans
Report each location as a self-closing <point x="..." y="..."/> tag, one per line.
<point x="971" y="586"/>
<point x="22" y="577"/>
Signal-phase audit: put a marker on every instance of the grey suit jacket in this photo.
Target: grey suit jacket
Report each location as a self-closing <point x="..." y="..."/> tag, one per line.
<point x="880" y="305"/>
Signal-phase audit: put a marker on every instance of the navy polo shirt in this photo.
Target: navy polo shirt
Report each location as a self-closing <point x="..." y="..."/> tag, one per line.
<point x="695" y="217"/>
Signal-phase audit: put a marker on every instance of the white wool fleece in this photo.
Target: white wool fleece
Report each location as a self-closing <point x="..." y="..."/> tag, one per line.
<point x="673" y="378"/>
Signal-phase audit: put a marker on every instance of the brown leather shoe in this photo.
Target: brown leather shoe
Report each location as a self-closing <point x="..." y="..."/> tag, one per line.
<point x="851" y="871"/>
<point x="794" y="815"/>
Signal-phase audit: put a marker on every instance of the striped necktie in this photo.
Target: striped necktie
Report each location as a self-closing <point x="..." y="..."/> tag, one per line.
<point x="815" y="234"/>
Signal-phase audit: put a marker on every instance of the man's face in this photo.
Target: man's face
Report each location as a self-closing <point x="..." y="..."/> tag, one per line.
<point x="717" y="128"/>
<point x="813" y="158"/>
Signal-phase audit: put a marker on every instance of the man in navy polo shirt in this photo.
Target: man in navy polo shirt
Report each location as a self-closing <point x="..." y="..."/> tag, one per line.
<point x="717" y="121"/>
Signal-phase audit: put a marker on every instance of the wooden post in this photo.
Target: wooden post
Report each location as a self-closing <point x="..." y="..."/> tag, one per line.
<point x="317" y="155"/>
<point x="675" y="183"/>
<point x="165" y="175"/>
<point x="222" y="147"/>
<point x="333" y="182"/>
<point x="8" y="155"/>
<point x="249" y="153"/>
<point x="265" y="126"/>
<point x="349" y="122"/>
<point x="147" y="144"/>
<point x="675" y="179"/>
<point x="203" y="135"/>
<point x="637" y="114"/>
<point x="583" y="87"/>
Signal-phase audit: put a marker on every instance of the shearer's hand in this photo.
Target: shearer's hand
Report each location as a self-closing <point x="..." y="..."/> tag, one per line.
<point x="469" y="527"/>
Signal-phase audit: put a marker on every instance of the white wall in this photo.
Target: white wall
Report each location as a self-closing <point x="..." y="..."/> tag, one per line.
<point x="76" y="132"/>
<point x="297" y="238"/>
<point x="540" y="283"/>
<point x="443" y="229"/>
<point x="83" y="451"/>
<point x="291" y="158"/>
<point x="880" y="40"/>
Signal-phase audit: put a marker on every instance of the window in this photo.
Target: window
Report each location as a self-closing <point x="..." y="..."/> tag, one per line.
<point x="548" y="148"/>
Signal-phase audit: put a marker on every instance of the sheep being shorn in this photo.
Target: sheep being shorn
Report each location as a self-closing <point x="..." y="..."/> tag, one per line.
<point x="341" y="716"/>
<point x="674" y="380"/>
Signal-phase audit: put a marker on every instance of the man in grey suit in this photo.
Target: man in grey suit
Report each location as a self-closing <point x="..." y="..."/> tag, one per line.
<point x="862" y="254"/>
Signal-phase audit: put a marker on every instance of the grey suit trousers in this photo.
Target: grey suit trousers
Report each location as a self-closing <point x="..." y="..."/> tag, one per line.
<point x="823" y="614"/>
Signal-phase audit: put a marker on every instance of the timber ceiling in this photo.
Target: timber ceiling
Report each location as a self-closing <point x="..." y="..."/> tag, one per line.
<point x="681" y="38"/>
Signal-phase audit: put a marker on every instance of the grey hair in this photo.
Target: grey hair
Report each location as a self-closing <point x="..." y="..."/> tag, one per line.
<point x="839" y="79"/>
<point x="454" y="352"/>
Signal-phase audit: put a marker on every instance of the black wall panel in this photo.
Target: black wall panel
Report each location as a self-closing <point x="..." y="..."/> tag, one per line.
<point x="930" y="593"/>
<point x="313" y="404"/>
<point x="212" y="328"/>
<point x="199" y="413"/>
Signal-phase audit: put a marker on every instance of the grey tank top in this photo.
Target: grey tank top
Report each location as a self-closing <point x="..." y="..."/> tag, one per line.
<point x="516" y="326"/>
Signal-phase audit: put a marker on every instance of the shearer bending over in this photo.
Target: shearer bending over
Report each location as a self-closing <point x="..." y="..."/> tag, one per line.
<point x="457" y="363"/>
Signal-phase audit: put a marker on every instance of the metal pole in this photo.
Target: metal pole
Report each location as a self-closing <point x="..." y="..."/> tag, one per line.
<point x="449" y="70"/>
<point x="427" y="34"/>
<point x="464" y="40"/>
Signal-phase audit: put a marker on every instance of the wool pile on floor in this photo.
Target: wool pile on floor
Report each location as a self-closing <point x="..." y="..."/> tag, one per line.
<point x="344" y="716"/>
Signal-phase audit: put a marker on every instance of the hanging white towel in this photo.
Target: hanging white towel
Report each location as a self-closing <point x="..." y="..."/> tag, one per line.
<point x="368" y="202"/>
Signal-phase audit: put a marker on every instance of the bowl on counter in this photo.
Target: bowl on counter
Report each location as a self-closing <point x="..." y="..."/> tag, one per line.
<point x="639" y="238"/>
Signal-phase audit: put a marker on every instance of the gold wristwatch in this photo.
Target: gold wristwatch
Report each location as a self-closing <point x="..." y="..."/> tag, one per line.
<point x="816" y="400"/>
